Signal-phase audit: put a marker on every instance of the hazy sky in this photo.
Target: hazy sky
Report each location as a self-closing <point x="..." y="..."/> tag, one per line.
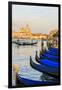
<point x="39" y="18"/>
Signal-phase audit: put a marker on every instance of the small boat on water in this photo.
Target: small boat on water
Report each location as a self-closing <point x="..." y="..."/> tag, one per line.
<point x="45" y="68"/>
<point x="20" y="81"/>
<point x="25" y="42"/>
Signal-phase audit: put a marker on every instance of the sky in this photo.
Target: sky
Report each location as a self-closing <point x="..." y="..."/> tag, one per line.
<point x="41" y="19"/>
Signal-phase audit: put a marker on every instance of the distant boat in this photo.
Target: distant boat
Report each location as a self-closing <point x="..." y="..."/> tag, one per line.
<point x="25" y="42"/>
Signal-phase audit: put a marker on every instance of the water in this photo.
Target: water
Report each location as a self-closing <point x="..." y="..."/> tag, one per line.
<point x="21" y="56"/>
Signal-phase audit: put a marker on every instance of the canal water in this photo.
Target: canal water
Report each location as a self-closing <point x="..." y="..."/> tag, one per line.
<point x="21" y="57"/>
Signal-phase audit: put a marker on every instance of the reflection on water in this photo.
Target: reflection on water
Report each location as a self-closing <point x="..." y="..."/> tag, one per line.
<point x="21" y="56"/>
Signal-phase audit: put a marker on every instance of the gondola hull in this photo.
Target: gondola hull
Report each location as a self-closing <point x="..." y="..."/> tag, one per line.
<point x="42" y="57"/>
<point x="18" y="43"/>
<point x="45" y="69"/>
<point x="48" y="63"/>
<point x="48" y="56"/>
<point x="51" y="53"/>
<point x="20" y="81"/>
<point x="53" y="49"/>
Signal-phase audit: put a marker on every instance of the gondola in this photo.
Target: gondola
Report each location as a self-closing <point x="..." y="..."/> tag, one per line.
<point x="53" y="49"/>
<point x="24" y="43"/>
<point x="49" y="63"/>
<point x="45" y="68"/>
<point x="51" y="53"/>
<point x="49" y="56"/>
<point x="46" y="61"/>
<point x="20" y="81"/>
